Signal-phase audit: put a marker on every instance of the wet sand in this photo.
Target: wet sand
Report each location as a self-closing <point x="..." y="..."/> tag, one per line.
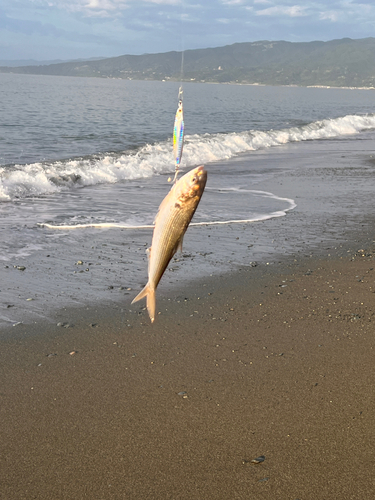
<point x="332" y="183"/>
<point x="266" y="362"/>
<point x="272" y="361"/>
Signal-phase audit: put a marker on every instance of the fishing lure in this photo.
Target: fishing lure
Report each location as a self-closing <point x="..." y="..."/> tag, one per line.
<point x="178" y="133"/>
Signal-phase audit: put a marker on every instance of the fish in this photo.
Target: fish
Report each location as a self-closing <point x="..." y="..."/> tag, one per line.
<point x="171" y="222"/>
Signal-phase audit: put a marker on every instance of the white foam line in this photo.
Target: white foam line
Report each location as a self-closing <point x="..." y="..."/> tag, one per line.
<point x="280" y="213"/>
<point x="97" y="226"/>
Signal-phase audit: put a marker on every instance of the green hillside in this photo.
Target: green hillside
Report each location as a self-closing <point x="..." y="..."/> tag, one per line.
<point x="340" y="63"/>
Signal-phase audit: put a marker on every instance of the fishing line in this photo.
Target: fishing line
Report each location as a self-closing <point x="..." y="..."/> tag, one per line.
<point x="182" y="66"/>
<point x="179" y="125"/>
<point x="182" y="42"/>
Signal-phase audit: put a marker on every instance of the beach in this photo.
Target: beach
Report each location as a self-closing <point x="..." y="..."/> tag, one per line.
<point x="269" y="357"/>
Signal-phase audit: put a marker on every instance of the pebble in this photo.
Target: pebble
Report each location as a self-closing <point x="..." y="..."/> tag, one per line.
<point x="258" y="460"/>
<point x="20" y="268"/>
<point x="79" y="263"/>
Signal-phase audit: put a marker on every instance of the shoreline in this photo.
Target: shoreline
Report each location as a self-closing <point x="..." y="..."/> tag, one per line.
<point x="332" y="186"/>
<point x="193" y="81"/>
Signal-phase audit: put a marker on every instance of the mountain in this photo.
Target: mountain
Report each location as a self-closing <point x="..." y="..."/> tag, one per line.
<point x="33" y="62"/>
<point x="339" y="63"/>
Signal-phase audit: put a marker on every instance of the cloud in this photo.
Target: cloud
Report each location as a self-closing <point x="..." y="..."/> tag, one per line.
<point x="346" y="11"/>
<point x="164" y="2"/>
<point x="232" y="2"/>
<point x="328" y="16"/>
<point x="103" y="8"/>
<point x="86" y="28"/>
<point x="282" y="10"/>
<point x="100" y="8"/>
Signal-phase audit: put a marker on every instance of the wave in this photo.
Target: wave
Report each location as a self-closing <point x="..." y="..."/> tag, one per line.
<point x="255" y="218"/>
<point x="20" y="181"/>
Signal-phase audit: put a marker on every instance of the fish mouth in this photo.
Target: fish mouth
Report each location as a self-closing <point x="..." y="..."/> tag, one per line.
<point x="200" y="173"/>
<point x="200" y="179"/>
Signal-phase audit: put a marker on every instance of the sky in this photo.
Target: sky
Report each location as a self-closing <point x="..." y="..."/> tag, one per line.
<point x="81" y="29"/>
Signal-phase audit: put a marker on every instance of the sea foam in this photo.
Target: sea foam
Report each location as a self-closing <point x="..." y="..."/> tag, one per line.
<point x="20" y="181"/>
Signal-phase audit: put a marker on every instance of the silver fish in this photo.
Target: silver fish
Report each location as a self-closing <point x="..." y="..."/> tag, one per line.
<point x="171" y="223"/>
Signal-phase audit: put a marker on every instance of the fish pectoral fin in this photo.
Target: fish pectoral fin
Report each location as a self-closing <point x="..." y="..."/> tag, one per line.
<point x="149" y="293"/>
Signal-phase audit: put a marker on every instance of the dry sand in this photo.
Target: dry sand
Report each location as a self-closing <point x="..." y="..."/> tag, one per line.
<point x="274" y="361"/>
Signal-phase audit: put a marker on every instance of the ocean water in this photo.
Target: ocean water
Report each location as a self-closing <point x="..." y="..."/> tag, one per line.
<point x="97" y="151"/>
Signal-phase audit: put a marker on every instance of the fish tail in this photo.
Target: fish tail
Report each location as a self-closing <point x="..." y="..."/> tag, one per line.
<point x="149" y="293"/>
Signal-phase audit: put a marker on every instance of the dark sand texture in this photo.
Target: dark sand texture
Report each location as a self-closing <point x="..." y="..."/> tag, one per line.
<point x="178" y="409"/>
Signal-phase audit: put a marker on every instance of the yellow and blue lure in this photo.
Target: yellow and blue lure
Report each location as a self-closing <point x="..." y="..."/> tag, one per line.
<point x="178" y="133"/>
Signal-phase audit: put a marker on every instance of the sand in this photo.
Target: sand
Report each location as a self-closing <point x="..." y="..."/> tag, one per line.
<point x="266" y="362"/>
<point x="272" y="361"/>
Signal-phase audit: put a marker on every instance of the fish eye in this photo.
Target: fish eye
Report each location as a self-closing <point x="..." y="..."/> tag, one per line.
<point x="194" y="179"/>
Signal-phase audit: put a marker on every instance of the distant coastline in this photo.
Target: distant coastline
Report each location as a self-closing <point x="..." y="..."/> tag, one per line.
<point x="210" y="82"/>
<point x="344" y="63"/>
<point x="307" y="86"/>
